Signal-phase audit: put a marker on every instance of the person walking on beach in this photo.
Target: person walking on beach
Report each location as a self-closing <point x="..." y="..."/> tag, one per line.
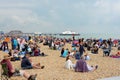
<point x="81" y="48"/>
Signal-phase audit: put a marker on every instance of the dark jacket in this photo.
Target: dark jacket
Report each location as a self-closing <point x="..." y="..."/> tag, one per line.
<point x="81" y="49"/>
<point x="25" y="64"/>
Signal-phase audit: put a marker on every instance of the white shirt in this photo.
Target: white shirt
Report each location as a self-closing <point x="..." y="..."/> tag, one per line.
<point x="89" y="68"/>
<point x="72" y="53"/>
<point x="69" y="65"/>
<point x="18" y="39"/>
<point x="87" y="57"/>
<point x="97" y="45"/>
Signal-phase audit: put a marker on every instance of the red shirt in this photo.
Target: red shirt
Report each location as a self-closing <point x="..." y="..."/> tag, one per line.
<point x="36" y="52"/>
<point x="9" y="66"/>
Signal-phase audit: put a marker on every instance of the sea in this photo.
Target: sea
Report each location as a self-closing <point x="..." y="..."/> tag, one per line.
<point x="87" y="35"/>
<point x="92" y="35"/>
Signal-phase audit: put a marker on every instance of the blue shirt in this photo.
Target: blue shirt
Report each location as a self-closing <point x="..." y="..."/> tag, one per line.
<point x="65" y="53"/>
<point x="15" y="42"/>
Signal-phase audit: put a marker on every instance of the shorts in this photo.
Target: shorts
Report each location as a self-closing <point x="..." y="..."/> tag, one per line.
<point x="19" y="73"/>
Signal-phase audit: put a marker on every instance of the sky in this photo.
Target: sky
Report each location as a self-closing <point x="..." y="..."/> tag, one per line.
<point x="54" y="16"/>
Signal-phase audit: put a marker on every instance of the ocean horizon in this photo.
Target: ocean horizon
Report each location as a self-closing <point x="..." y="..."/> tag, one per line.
<point x="92" y="35"/>
<point x="84" y="35"/>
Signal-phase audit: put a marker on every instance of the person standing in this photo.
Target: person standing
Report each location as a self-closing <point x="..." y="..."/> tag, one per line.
<point x="81" y="48"/>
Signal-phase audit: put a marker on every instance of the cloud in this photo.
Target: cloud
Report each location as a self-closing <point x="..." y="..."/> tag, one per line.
<point x="9" y="12"/>
<point x="59" y="15"/>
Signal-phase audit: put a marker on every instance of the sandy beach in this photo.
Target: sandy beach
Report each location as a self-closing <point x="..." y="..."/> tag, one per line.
<point x="48" y="37"/>
<point x="54" y="66"/>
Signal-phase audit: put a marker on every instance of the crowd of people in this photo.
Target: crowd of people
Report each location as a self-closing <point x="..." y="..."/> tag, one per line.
<point x="22" y="48"/>
<point x="79" y="48"/>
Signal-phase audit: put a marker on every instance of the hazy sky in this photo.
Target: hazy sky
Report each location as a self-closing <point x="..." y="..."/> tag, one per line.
<point x="60" y="15"/>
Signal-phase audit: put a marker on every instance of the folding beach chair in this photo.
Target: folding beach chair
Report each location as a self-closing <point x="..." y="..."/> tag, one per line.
<point x="4" y="72"/>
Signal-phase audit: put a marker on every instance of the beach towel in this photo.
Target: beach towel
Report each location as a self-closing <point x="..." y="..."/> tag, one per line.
<point x="115" y="56"/>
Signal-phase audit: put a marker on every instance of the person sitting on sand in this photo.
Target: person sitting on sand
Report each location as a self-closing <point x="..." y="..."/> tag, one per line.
<point x="4" y="46"/>
<point x="10" y="52"/>
<point x="22" y="53"/>
<point x="37" y="52"/>
<point x="77" y="55"/>
<point x="106" y="50"/>
<point x="27" y="63"/>
<point x="72" y="54"/>
<point x="15" y="72"/>
<point x="95" y="49"/>
<point x="86" y="57"/>
<point x="115" y="55"/>
<point x="68" y="64"/>
<point x="62" y="51"/>
<point x="118" y="54"/>
<point x="82" y="66"/>
<point x="65" y="54"/>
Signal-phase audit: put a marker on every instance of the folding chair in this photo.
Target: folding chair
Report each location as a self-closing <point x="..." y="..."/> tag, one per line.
<point x="4" y="74"/>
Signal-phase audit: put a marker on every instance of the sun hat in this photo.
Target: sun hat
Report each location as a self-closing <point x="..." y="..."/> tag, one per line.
<point x="6" y="56"/>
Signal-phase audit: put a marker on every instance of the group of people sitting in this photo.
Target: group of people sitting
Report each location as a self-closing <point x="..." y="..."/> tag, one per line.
<point x="15" y="72"/>
<point x="23" y="53"/>
<point x="80" y="66"/>
<point x="54" y="43"/>
<point x="26" y="63"/>
<point x="78" y="54"/>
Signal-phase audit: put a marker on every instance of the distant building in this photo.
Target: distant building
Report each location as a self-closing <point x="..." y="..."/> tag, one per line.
<point x="15" y="33"/>
<point x="28" y="34"/>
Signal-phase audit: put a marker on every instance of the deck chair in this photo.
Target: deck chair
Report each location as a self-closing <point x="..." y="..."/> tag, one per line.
<point x="4" y="75"/>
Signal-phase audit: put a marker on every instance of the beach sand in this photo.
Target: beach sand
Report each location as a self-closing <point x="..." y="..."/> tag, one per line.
<point x="54" y="66"/>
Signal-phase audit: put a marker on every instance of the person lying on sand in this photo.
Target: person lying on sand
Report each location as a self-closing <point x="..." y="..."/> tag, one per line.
<point x="115" y="55"/>
<point x="27" y="63"/>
